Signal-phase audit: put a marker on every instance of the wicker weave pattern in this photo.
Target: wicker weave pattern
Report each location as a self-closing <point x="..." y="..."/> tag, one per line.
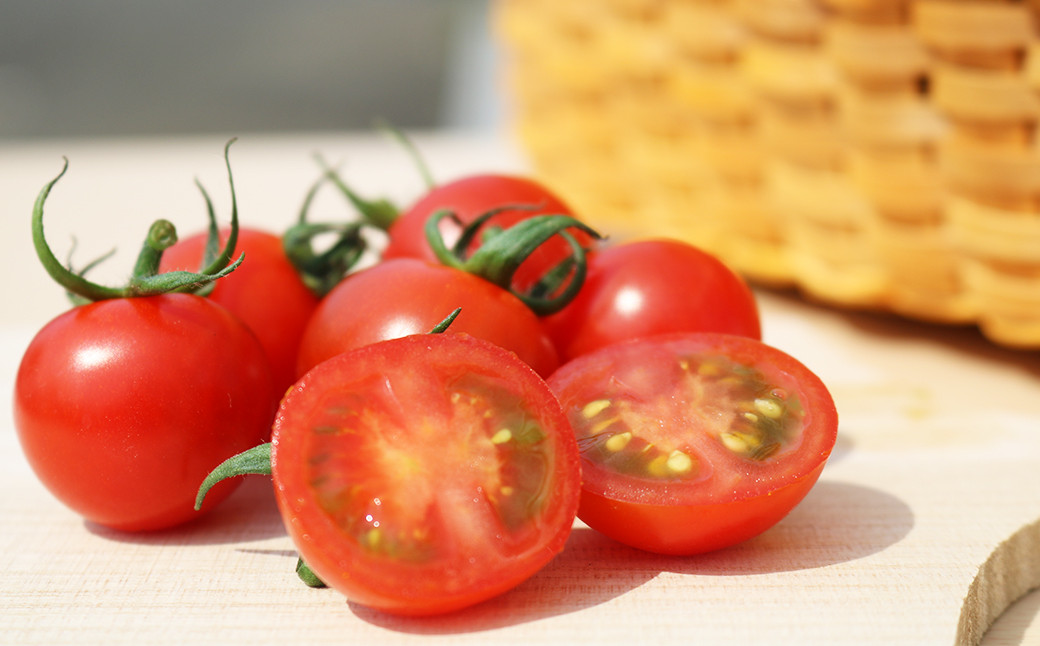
<point x="874" y="153"/>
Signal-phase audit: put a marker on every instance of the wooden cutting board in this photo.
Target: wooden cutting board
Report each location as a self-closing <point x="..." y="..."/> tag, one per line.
<point x="923" y="528"/>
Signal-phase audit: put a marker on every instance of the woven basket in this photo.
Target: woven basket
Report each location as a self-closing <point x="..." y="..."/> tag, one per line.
<point x="873" y="153"/>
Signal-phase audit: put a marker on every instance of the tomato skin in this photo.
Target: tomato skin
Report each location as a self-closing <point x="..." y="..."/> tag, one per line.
<point x="704" y="528"/>
<point x="407" y="296"/>
<point x="470" y="197"/>
<point x="265" y="292"/>
<point x="379" y="438"/>
<point x="123" y="406"/>
<point x="727" y="498"/>
<point x="650" y="287"/>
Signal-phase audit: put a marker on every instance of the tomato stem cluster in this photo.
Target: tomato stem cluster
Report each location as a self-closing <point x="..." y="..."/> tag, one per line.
<point x="146" y="279"/>
<point x="502" y="251"/>
<point x="323" y="270"/>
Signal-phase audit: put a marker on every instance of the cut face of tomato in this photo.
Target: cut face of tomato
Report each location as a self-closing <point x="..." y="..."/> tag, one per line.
<point x="425" y="474"/>
<point x="694" y="442"/>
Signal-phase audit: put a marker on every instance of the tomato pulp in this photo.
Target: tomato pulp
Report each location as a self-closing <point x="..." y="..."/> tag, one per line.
<point x="425" y="474"/>
<point x="694" y="442"/>
<point x="123" y="406"/>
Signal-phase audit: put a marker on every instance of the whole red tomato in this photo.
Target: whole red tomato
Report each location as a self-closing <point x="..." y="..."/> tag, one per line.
<point x="649" y="287"/>
<point x="123" y="406"/>
<point x="424" y="474"/>
<point x="265" y="292"/>
<point x="694" y="442"/>
<point x="406" y="296"/>
<point x="468" y="199"/>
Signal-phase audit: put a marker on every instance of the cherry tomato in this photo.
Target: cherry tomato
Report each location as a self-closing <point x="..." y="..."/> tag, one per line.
<point x="424" y="474"/>
<point x="123" y="406"/>
<point x="648" y="287"/>
<point x="694" y="442"/>
<point x="471" y="197"/>
<point x="405" y="296"/>
<point x="265" y="292"/>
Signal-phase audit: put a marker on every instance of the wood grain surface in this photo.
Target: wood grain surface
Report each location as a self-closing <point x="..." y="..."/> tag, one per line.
<point x="923" y="529"/>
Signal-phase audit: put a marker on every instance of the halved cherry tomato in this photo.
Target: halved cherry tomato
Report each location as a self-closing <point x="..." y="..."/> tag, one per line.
<point x="405" y="296"/>
<point x="470" y="197"/>
<point x="694" y="442"/>
<point x="647" y="287"/>
<point x="265" y="292"/>
<point x="424" y="474"/>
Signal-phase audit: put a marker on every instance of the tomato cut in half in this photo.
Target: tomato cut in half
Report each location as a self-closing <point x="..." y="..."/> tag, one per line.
<point x="694" y="442"/>
<point x="424" y="474"/>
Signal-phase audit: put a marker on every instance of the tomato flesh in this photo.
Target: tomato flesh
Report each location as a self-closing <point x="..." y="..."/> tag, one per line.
<point x="694" y="442"/>
<point x="424" y="474"/>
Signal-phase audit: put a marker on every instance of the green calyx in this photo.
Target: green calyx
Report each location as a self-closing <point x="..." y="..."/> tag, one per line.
<point x="502" y="251"/>
<point x="146" y="279"/>
<point x="345" y="241"/>
<point x="254" y="461"/>
<point x="443" y="326"/>
<point x="321" y="270"/>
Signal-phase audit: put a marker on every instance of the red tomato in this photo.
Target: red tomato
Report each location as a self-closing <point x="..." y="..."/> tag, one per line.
<point x="649" y="287"/>
<point x="123" y="406"/>
<point x="405" y="296"/>
<point x="424" y="474"/>
<point x="469" y="198"/>
<point x="265" y="292"/>
<point x="694" y="442"/>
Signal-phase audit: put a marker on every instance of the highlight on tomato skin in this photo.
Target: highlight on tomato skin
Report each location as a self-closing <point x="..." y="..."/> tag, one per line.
<point x="694" y="442"/>
<point x="653" y="286"/>
<point x="425" y="474"/>
<point x="121" y="423"/>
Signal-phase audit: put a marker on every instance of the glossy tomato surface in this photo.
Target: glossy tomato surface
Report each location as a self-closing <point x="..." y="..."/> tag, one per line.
<point x="405" y="296"/>
<point x="694" y="442"/>
<point x="648" y="287"/>
<point x="123" y="406"/>
<point x="471" y="197"/>
<point x="265" y="292"/>
<point x="424" y="474"/>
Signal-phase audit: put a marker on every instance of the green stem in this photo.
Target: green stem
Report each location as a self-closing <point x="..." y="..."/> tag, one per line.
<point x="161" y="236"/>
